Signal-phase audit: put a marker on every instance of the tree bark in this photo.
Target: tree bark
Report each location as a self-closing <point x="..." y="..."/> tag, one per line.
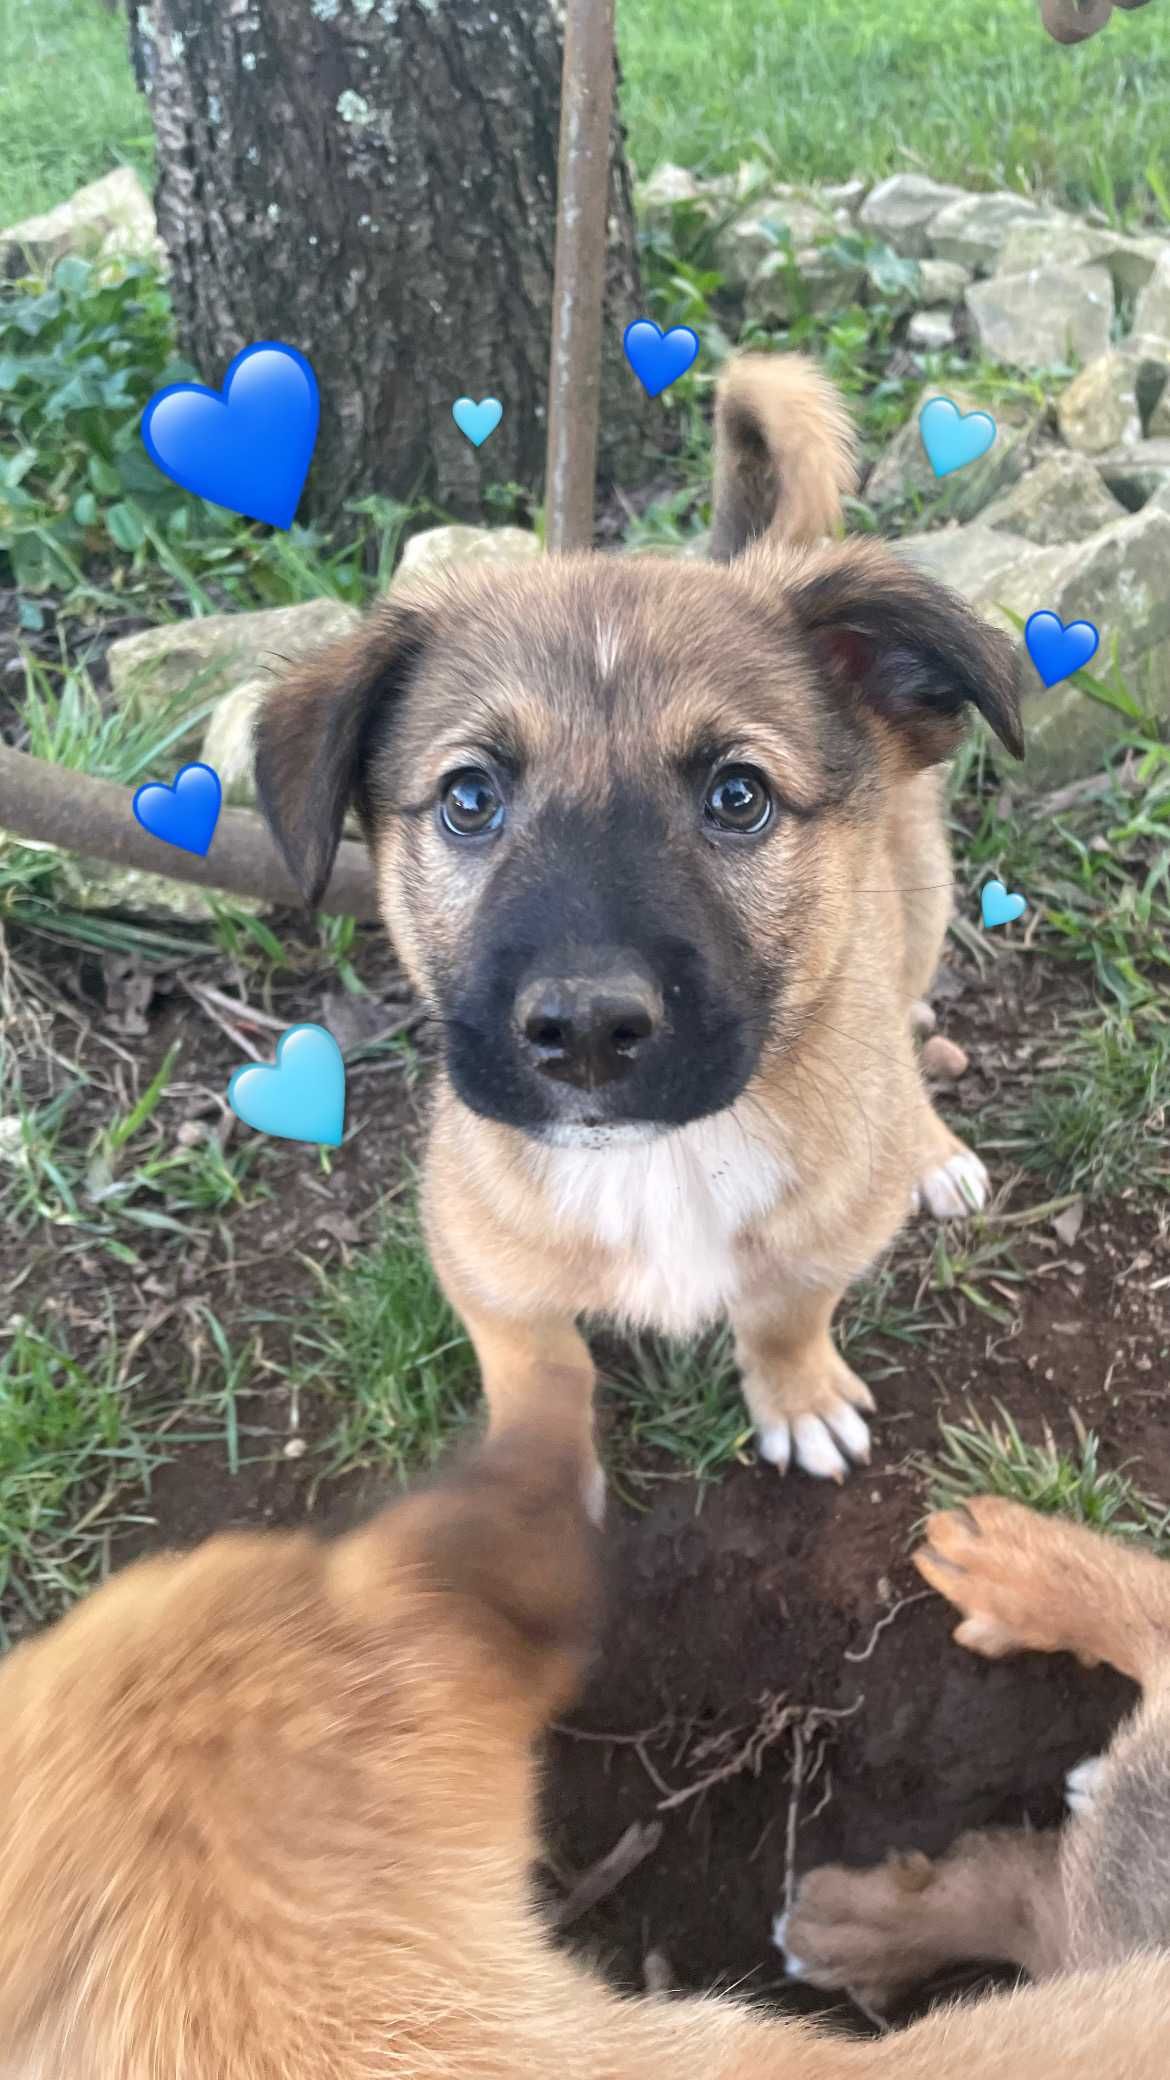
<point x="374" y="183"/>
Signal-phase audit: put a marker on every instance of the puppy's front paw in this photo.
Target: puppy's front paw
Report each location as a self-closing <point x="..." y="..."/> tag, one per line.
<point x="1023" y="1581"/>
<point x="954" y="1188"/>
<point x="811" y="1417"/>
<point x="857" y="1930"/>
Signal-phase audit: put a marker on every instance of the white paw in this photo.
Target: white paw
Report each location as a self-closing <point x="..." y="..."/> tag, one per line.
<point x="810" y="1441"/>
<point x="795" y="1967"/>
<point x="594" y="1494"/>
<point x="959" y="1186"/>
<point x="922" y="1018"/>
<point x="1083" y="1783"/>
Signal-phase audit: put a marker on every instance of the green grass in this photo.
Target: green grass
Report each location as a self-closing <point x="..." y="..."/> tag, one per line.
<point x="978" y="95"/>
<point x="69" y="107"/>
<point x="992" y="1458"/>
<point x="385" y="1349"/>
<point x="75" y="1463"/>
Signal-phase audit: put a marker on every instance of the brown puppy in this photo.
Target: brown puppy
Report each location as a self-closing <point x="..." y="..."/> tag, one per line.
<point x="266" y="1813"/>
<point x="661" y="843"/>
<point x="1092" y="1895"/>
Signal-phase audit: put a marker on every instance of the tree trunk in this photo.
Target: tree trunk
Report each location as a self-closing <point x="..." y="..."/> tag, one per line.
<point x="374" y="183"/>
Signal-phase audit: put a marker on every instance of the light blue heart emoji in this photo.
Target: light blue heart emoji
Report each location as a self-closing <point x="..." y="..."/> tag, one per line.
<point x="998" y="906"/>
<point x="477" y="420"/>
<point x="302" y="1098"/>
<point x="953" y="438"/>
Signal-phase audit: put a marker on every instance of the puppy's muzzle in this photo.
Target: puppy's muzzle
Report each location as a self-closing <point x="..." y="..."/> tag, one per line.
<point x="590" y="1023"/>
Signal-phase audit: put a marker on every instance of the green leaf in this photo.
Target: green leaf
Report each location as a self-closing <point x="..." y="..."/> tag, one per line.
<point x="125" y="527"/>
<point x="104" y="478"/>
<point x="85" y="508"/>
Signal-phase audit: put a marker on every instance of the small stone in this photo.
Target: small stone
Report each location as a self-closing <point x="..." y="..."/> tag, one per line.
<point x="1062" y="500"/>
<point x="1050" y="241"/>
<point x="900" y="209"/>
<point x="1049" y="318"/>
<point x="773" y="227"/>
<point x="1137" y="474"/>
<point x="974" y="229"/>
<point x="931" y="330"/>
<point x="212" y="648"/>
<point x="944" y="1058"/>
<point x="1105" y="406"/>
<point x="1151" y="317"/>
<point x="114" y="212"/>
<point x="785" y="286"/>
<point x="295" y="1448"/>
<point x="438" y="545"/>
<point x="659" y="196"/>
<point x="942" y="281"/>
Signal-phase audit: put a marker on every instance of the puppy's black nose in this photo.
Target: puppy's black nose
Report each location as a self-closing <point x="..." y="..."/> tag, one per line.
<point x="588" y="1028"/>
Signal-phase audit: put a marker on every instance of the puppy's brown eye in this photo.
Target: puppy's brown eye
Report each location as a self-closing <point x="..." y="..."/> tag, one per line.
<point x="738" y="800"/>
<point x="470" y="804"/>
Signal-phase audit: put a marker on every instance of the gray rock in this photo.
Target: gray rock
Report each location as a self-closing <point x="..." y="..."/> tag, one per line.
<point x="667" y="186"/>
<point x="1151" y="317"/>
<point x="971" y="559"/>
<point x="931" y="330"/>
<point x="900" y="209"/>
<point x="228" y="739"/>
<point x="1062" y="500"/>
<point x="1131" y="261"/>
<point x="843" y="195"/>
<point x="1158" y="426"/>
<point x="92" y="884"/>
<point x="112" y="215"/>
<point x="1117" y="580"/>
<point x="1134" y="475"/>
<point x="973" y="229"/>
<point x="1107" y="405"/>
<point x="438" y="545"/>
<point x="1046" y="318"/>
<point x="208" y="652"/>
<point x="942" y="281"/>
<point x="1050" y="241"/>
<point x="784" y="288"/>
<point x="777" y="224"/>
<point x="904" y="473"/>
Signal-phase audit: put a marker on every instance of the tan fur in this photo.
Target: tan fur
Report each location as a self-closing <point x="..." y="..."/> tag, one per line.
<point x="1094" y="1894"/>
<point x="839" y="672"/>
<point x="267" y="1813"/>
<point x="786" y="454"/>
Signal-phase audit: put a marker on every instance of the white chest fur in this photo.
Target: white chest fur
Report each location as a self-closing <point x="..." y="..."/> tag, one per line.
<point x="669" y="1209"/>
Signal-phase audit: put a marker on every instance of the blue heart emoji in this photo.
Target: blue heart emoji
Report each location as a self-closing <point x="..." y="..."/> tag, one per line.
<point x="998" y="907"/>
<point x="477" y="420"/>
<point x="184" y="814"/>
<point x="953" y="438"/>
<point x="247" y="447"/>
<point x="302" y="1098"/>
<point x="1056" y="651"/>
<point x="659" y="358"/>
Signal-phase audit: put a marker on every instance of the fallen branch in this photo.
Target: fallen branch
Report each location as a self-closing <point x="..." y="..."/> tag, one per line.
<point x="52" y="805"/>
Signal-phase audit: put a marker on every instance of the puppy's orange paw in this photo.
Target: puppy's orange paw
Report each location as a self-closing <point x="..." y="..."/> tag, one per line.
<point x="1006" y="1568"/>
<point x="859" y="1930"/>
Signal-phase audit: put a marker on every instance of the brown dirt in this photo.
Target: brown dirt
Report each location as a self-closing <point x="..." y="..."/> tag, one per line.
<point x="722" y="1598"/>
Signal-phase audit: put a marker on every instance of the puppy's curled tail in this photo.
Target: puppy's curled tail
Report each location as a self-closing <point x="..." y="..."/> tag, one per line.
<point x="785" y="453"/>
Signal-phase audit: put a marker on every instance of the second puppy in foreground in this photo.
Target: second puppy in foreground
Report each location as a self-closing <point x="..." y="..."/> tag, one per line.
<point x="661" y="843"/>
<point x="267" y="1813"/>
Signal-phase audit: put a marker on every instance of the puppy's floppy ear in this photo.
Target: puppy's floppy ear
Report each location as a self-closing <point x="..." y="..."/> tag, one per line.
<point x="313" y="732"/>
<point x="905" y="648"/>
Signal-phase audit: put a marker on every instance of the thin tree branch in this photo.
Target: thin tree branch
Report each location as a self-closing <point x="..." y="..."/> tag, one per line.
<point x="51" y="805"/>
<point x="574" y="382"/>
